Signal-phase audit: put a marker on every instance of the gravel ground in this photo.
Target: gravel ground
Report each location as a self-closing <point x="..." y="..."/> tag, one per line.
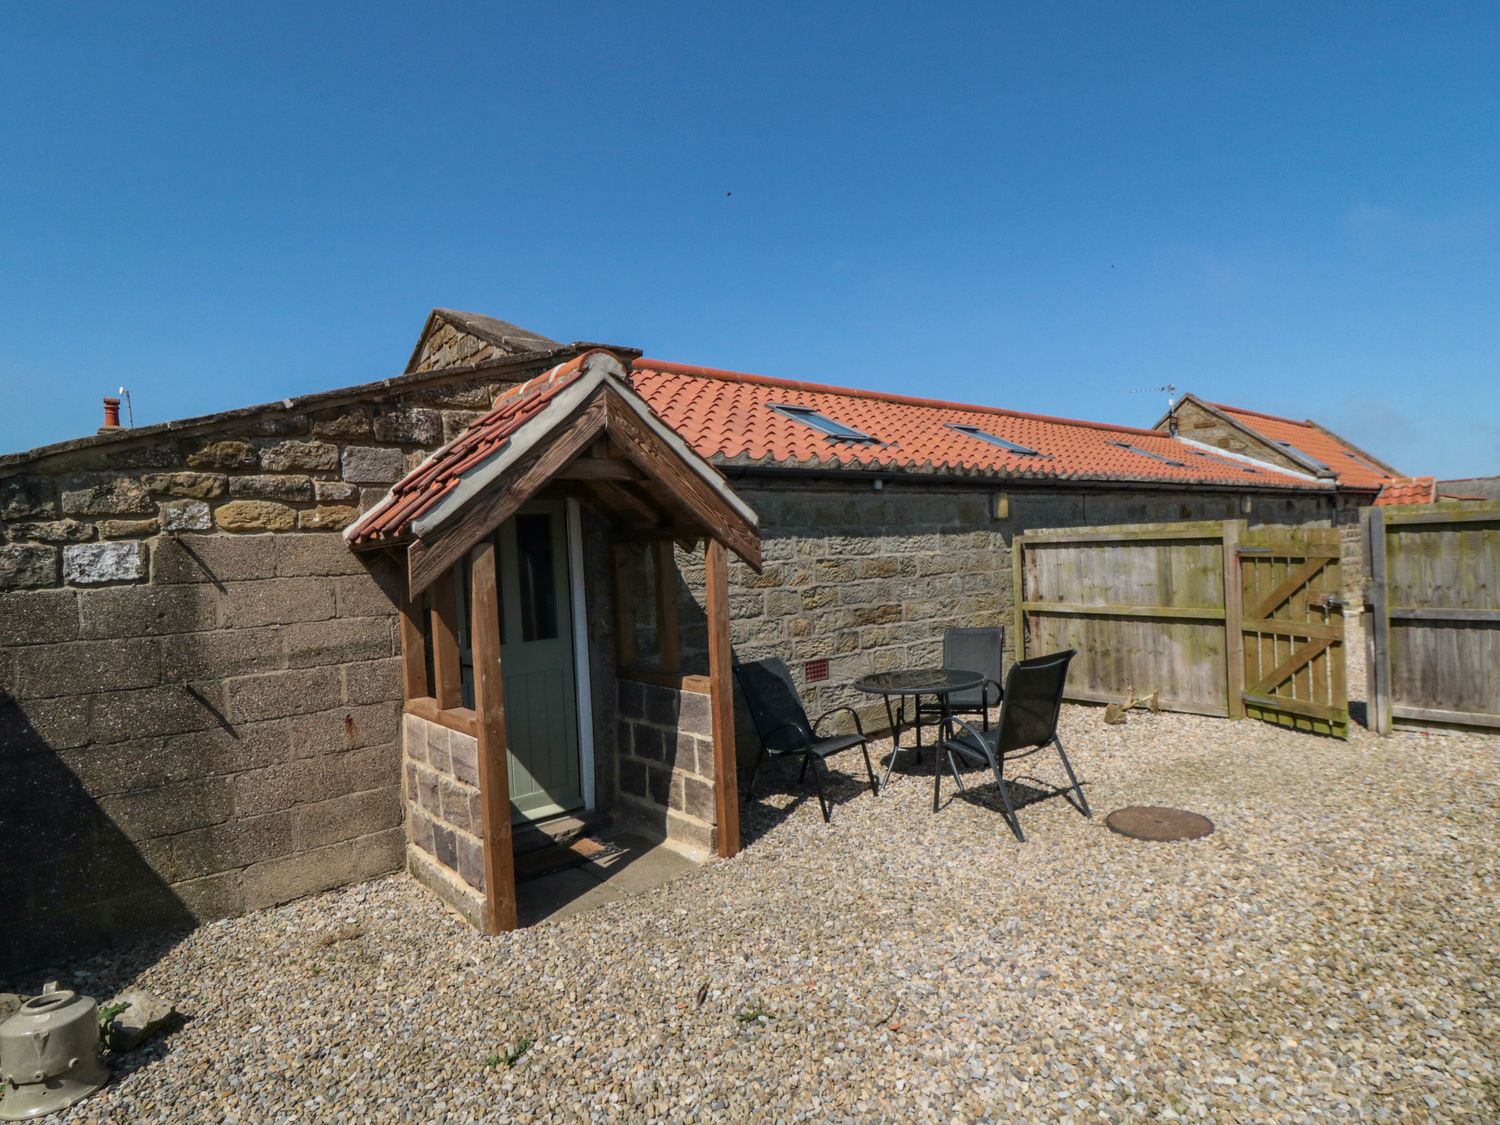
<point x="1327" y="954"/>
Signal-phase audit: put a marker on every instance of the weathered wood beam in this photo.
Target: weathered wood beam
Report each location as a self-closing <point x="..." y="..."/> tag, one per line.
<point x="664" y="531"/>
<point x="624" y="498"/>
<point x="1203" y="613"/>
<point x="447" y="672"/>
<point x="427" y="558"/>
<point x="721" y="700"/>
<point x="494" y="774"/>
<point x="594" y="468"/>
<point x="413" y="651"/>
<point x="659" y="461"/>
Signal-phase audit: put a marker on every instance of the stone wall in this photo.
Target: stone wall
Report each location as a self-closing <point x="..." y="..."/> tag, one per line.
<point x="666" y="764"/>
<point x="1198" y="424"/>
<point x="444" y="818"/>
<point x="199" y="681"/>
<point x="868" y="579"/>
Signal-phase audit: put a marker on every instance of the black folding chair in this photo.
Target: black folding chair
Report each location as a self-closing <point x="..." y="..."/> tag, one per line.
<point x="1028" y="723"/>
<point x="972" y="650"/>
<point x="784" y="729"/>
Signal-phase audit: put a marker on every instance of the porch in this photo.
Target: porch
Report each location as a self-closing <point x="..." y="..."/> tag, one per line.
<point x="553" y="662"/>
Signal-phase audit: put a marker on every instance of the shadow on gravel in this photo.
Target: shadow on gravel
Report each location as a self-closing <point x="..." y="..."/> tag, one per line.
<point x="779" y="775"/>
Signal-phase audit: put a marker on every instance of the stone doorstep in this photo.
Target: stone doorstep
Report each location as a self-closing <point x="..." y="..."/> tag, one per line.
<point x="555" y="831"/>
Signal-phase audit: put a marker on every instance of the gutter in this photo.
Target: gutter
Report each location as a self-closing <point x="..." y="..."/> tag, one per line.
<point x="888" y="476"/>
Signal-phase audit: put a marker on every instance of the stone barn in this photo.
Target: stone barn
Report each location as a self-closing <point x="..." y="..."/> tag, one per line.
<point x="412" y="623"/>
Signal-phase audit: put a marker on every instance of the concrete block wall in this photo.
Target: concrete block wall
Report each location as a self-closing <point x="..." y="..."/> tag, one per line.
<point x="665" y="765"/>
<point x="444" y="817"/>
<point x="199" y="682"/>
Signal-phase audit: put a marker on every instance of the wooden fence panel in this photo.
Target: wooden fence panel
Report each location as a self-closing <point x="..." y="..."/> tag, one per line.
<point x="1211" y="618"/>
<point x="1144" y="605"/>
<point x="1434" y="605"/>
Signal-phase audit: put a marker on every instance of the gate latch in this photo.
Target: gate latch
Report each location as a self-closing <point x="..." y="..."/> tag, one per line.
<point x="1326" y="602"/>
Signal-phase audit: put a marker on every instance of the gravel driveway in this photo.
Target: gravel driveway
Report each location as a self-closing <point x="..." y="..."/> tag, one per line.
<point x="1329" y="953"/>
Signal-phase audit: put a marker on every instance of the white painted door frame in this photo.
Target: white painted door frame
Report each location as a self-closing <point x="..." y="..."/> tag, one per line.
<point x="582" y="689"/>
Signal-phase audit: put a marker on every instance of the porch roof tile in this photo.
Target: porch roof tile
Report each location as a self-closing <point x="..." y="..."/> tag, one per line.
<point x="421" y="489"/>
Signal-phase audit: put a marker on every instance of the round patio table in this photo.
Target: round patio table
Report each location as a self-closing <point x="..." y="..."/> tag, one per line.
<point x="917" y="682"/>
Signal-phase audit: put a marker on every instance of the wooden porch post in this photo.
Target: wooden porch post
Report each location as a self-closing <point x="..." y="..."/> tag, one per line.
<point x="445" y="666"/>
<point x="494" y="779"/>
<point x="413" y="656"/>
<point x="721" y="700"/>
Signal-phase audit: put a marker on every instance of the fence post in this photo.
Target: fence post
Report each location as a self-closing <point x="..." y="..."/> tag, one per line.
<point x="1377" y="628"/>
<point x="1018" y="593"/>
<point x="1234" y="634"/>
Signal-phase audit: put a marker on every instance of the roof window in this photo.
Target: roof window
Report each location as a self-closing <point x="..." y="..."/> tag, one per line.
<point x="836" y="430"/>
<point x="1223" y="461"/>
<point x="1147" y="453"/>
<point x="985" y="435"/>
<point x="1309" y="459"/>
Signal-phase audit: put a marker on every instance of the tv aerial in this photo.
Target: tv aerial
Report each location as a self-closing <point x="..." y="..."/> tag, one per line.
<point x="1170" y="390"/>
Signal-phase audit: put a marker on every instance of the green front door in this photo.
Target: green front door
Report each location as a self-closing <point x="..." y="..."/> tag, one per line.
<point x="537" y="659"/>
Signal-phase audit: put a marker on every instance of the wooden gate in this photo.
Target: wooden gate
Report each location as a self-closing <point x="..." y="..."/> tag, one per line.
<point x="1292" y="628"/>
<point x="1432" y="622"/>
<point x="1209" y="617"/>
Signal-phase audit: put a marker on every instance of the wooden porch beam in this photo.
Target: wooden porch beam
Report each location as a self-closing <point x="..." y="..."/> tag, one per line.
<point x="413" y="650"/>
<point x="428" y="558"/>
<point x="665" y="531"/>
<point x="686" y="487"/>
<point x="494" y="774"/>
<point x="595" y="468"/>
<point x="446" y="670"/>
<point x="721" y="700"/>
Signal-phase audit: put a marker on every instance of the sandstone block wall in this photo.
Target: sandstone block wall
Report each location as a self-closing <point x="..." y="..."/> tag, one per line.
<point x="868" y="579"/>
<point x="199" y="682"/>
<point x="445" y="821"/>
<point x="665" y="764"/>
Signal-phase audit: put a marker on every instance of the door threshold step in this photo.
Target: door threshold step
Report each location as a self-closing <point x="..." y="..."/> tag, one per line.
<point x="555" y="831"/>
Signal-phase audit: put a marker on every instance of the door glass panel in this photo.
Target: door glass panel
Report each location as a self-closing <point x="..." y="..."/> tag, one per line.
<point x="538" y="580"/>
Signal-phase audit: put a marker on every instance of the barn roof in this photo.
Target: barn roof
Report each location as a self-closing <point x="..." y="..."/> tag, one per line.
<point x="734" y="419"/>
<point x="1315" y="446"/>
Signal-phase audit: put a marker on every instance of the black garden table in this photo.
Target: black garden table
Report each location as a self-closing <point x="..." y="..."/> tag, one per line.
<point x="917" y="682"/>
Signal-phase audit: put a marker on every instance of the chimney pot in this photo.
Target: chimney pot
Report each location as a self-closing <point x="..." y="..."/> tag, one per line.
<point x="111" y="413"/>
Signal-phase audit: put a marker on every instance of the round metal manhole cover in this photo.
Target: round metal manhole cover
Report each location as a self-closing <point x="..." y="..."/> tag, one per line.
<point x="1152" y="822"/>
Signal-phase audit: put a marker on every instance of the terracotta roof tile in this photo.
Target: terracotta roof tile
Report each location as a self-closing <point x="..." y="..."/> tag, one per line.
<point x="424" y="486"/>
<point x="1408" y="490"/>
<point x="729" y="417"/>
<point x="1353" y="468"/>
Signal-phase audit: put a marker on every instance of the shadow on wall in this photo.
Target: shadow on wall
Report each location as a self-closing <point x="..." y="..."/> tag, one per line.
<point x="57" y="846"/>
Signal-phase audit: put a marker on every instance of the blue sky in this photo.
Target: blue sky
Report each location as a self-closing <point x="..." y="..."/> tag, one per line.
<point x="1290" y="207"/>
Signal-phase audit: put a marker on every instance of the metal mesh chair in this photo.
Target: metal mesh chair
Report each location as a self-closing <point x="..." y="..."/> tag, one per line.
<point x="973" y="650"/>
<point x="1028" y="723"/>
<point x="782" y="724"/>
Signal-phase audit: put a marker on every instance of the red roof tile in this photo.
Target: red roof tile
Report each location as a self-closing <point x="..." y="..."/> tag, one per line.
<point x="1408" y="490"/>
<point x="728" y="416"/>
<point x="1353" y="468"/>
<point x="429" y="482"/>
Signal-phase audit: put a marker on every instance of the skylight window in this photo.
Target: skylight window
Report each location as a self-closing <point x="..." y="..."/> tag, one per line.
<point x="985" y="435"/>
<point x="1223" y="461"/>
<point x="1304" y="456"/>
<point x="813" y="418"/>
<point x="1147" y="453"/>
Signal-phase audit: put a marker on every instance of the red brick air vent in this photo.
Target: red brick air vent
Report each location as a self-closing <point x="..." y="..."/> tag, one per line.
<point x="815" y="671"/>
